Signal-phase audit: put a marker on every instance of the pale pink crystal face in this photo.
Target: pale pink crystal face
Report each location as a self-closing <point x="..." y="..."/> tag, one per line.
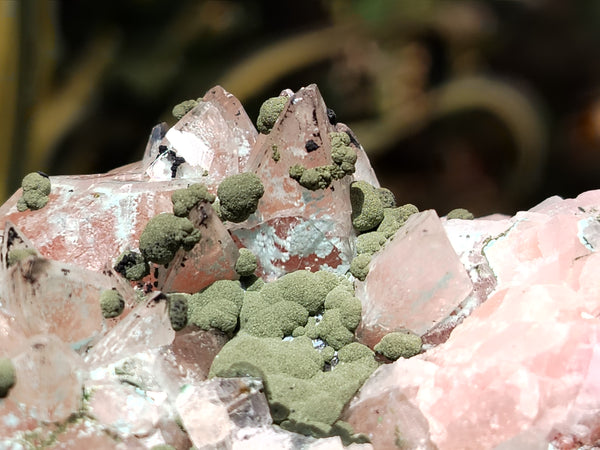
<point x="414" y="283"/>
<point x="521" y="370"/>
<point x="90" y="220"/>
<point x="49" y="379"/>
<point x="216" y="138"/>
<point x="147" y="326"/>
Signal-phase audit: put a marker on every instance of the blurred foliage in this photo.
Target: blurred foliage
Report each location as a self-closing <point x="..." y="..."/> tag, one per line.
<point x="487" y="105"/>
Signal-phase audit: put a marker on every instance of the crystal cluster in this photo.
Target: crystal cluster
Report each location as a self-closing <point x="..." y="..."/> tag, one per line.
<point x="503" y="311"/>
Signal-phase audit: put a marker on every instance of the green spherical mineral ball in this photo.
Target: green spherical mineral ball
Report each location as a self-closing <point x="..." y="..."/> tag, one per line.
<point x="7" y="376"/>
<point x="238" y="196"/>
<point x="269" y="113"/>
<point x="112" y="303"/>
<point x="399" y="344"/>
<point x="246" y="263"/>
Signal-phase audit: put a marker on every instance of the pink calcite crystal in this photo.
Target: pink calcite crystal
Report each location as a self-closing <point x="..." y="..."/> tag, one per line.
<point x="416" y="281"/>
<point x="519" y="372"/>
<point x="507" y="307"/>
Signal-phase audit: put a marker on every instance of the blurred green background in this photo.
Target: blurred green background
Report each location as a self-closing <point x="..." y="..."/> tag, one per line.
<point x="487" y="105"/>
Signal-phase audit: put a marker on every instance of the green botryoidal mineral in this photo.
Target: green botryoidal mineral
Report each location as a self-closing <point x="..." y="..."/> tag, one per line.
<point x="395" y="218"/>
<point x="132" y="265"/>
<point x="218" y="306"/>
<point x="320" y="177"/>
<point x="399" y="344"/>
<point x="275" y="153"/>
<point x="178" y="310"/>
<point x="370" y="242"/>
<point x="36" y="189"/>
<point x="386" y="197"/>
<point x="164" y="235"/>
<point x="246" y="263"/>
<point x="185" y="199"/>
<point x="269" y="113"/>
<point x="460" y="213"/>
<point x="343" y="156"/>
<point x="111" y="303"/>
<point x="367" y="208"/>
<point x="359" y="267"/>
<point x="7" y="376"/>
<point x="238" y="196"/>
<point x="184" y="107"/>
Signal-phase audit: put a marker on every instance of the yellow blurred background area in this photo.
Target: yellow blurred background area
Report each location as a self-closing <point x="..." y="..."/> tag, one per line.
<point x="486" y="105"/>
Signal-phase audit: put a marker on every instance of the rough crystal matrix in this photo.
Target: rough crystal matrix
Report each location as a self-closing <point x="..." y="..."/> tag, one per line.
<point x="126" y="296"/>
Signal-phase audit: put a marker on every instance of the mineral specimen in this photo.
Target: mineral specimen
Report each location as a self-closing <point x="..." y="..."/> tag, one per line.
<point x="275" y="260"/>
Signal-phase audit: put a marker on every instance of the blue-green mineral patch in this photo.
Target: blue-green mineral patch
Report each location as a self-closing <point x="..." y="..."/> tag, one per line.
<point x="269" y="113"/>
<point x="238" y="196"/>
<point x="7" y="376"/>
<point x="185" y="199"/>
<point x="164" y="235"/>
<point x="36" y="189"/>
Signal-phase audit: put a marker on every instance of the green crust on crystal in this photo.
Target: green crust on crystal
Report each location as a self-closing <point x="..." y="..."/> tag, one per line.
<point x="320" y="177"/>
<point x="308" y="289"/>
<point x="275" y="155"/>
<point x="460" y="213"/>
<point x="7" y="376"/>
<point x="218" y="306"/>
<point x="399" y="344"/>
<point x="367" y="208"/>
<point x="354" y="352"/>
<point x="386" y="197"/>
<point x="183" y="108"/>
<point x="301" y="395"/>
<point x="36" y="189"/>
<point x="276" y="320"/>
<point x="111" y="303"/>
<point x="395" y="218"/>
<point x="343" y="156"/>
<point x="178" y="310"/>
<point x="359" y="267"/>
<point x="185" y="199"/>
<point x="327" y="353"/>
<point x="17" y="254"/>
<point x="269" y="113"/>
<point x="332" y="330"/>
<point x="350" y="307"/>
<point x="246" y="263"/>
<point x="315" y="178"/>
<point x="132" y="265"/>
<point x="370" y="242"/>
<point x="238" y="196"/>
<point x="164" y="235"/>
